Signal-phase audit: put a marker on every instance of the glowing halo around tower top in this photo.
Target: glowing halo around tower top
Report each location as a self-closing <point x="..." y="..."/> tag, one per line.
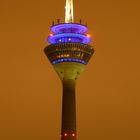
<point x="69" y="18"/>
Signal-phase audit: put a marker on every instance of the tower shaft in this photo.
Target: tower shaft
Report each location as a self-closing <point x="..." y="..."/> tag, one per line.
<point x="68" y="130"/>
<point x="69" y="73"/>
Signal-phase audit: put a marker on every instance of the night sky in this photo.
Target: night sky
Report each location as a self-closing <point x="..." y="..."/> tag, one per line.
<point x="108" y="91"/>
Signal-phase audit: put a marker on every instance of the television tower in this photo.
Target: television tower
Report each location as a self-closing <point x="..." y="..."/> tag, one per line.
<point x="69" y="52"/>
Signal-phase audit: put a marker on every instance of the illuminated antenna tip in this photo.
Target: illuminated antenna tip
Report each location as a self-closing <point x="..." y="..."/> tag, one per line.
<point x="69" y="11"/>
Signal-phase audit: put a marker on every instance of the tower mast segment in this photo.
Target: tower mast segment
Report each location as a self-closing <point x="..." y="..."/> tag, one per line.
<point x="69" y="11"/>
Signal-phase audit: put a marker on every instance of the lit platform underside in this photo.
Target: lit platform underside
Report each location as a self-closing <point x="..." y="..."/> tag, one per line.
<point x="69" y="70"/>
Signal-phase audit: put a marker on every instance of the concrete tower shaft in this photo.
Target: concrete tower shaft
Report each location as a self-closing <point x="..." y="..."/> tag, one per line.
<point x="68" y="129"/>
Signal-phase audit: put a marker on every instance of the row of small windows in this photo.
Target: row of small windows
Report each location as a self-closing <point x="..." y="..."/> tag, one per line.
<point x="74" y="50"/>
<point x="68" y="39"/>
<point x="83" y="56"/>
<point x="57" y="47"/>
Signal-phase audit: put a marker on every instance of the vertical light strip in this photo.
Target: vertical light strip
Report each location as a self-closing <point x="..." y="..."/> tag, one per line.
<point x="69" y="11"/>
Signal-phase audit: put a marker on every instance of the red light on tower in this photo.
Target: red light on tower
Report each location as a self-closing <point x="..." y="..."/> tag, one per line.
<point x="88" y="35"/>
<point x="73" y="134"/>
<point x="65" y="134"/>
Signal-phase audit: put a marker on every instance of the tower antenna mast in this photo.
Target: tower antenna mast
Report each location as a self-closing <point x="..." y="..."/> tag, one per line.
<point x="69" y="18"/>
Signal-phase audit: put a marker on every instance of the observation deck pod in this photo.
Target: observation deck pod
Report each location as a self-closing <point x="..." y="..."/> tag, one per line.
<point x="69" y="50"/>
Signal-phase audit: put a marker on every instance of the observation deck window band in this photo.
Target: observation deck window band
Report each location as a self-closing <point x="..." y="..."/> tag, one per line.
<point x="68" y="46"/>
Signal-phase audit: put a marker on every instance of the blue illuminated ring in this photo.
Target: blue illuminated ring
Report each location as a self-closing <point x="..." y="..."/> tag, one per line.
<point x="83" y="38"/>
<point x="66" y="27"/>
<point x="68" y="60"/>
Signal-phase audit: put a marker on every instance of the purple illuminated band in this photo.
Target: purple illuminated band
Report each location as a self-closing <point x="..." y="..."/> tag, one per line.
<point x="69" y="33"/>
<point x="69" y="27"/>
<point x="69" y="37"/>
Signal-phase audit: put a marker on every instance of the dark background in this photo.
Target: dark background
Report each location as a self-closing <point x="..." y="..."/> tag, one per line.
<point x="108" y="91"/>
